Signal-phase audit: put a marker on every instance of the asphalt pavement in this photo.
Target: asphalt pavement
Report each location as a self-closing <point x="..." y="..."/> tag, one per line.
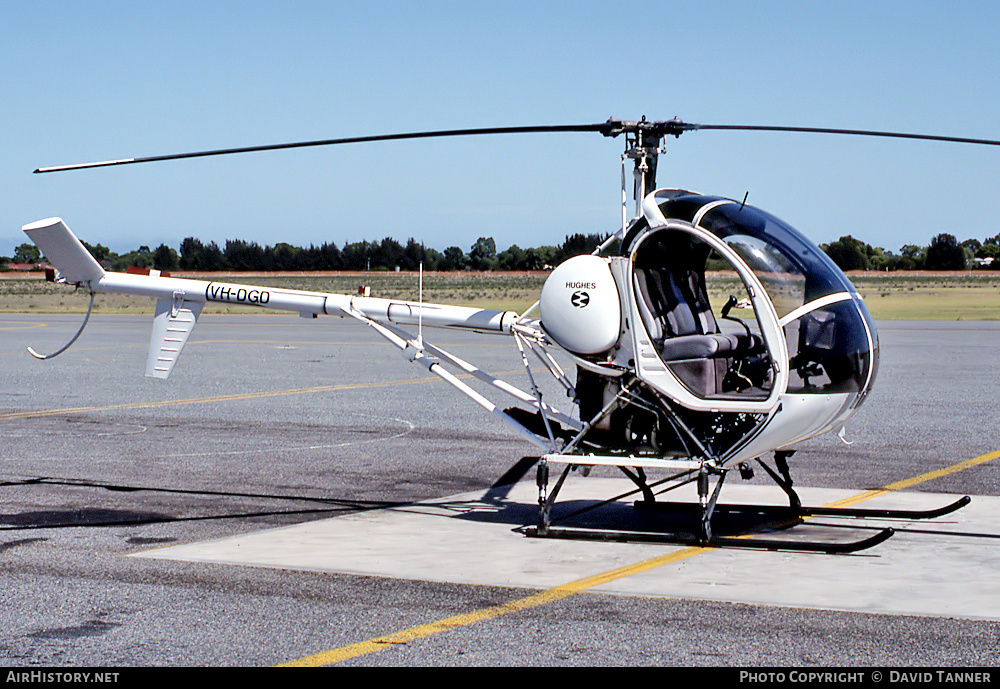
<point x="131" y="507"/>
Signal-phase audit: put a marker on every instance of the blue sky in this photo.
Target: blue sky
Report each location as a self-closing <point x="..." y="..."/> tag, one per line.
<point x="88" y="81"/>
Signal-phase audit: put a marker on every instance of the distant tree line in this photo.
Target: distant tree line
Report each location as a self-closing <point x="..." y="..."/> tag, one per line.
<point x="944" y="252"/>
<point x="388" y="254"/>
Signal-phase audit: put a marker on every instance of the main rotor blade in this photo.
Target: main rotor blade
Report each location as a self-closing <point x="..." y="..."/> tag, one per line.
<point x="610" y="128"/>
<point x="854" y="132"/>
<point x="602" y="127"/>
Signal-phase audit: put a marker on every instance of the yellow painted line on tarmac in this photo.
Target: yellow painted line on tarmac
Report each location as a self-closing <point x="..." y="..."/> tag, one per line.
<point x="22" y="325"/>
<point x="916" y="480"/>
<point x="219" y="398"/>
<point x="280" y="343"/>
<point x="551" y="595"/>
<point x="192" y="343"/>
<point x="556" y="593"/>
<point x="230" y="398"/>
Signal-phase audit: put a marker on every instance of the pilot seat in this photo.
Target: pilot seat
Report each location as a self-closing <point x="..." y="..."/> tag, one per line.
<point x="669" y="276"/>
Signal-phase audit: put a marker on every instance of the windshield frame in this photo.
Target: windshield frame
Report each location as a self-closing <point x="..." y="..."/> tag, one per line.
<point x="821" y="284"/>
<point x="651" y="368"/>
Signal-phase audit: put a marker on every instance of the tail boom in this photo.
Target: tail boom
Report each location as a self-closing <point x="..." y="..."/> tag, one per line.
<point x="180" y="300"/>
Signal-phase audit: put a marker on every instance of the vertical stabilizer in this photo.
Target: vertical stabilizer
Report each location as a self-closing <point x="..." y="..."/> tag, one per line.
<point x="173" y="323"/>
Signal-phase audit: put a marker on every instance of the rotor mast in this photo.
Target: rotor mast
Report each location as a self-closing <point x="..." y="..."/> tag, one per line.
<point x="643" y="145"/>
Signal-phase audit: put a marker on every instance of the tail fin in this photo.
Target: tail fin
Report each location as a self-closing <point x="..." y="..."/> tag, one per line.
<point x="64" y="251"/>
<point x="173" y="323"/>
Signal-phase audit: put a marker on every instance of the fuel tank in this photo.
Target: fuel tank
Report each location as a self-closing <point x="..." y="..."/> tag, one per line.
<point x="580" y="308"/>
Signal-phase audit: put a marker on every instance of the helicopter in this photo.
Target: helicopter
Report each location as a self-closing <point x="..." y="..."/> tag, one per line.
<point x="705" y="335"/>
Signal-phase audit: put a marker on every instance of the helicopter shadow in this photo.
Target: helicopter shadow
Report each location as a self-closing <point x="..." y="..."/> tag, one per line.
<point x="505" y="503"/>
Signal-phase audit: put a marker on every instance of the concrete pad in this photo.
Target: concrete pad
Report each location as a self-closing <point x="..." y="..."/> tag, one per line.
<point x="948" y="566"/>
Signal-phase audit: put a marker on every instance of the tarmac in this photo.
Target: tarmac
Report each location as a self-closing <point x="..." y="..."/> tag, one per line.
<point x="948" y="567"/>
<point x="296" y="490"/>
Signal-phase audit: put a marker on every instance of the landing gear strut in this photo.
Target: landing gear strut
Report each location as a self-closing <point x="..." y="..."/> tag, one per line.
<point x="707" y="509"/>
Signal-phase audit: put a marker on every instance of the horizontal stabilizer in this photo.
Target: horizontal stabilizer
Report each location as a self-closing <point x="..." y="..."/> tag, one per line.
<point x="63" y="250"/>
<point x="172" y="325"/>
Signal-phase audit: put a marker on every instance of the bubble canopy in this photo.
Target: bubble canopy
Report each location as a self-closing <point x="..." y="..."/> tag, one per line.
<point x="831" y="338"/>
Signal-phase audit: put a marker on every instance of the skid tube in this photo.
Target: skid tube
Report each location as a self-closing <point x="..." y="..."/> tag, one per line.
<point x="783" y="478"/>
<point x="787" y="516"/>
<point x="716" y="541"/>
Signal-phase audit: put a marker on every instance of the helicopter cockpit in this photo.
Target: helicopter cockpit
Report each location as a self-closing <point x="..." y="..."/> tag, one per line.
<point x="802" y="328"/>
<point x="676" y="312"/>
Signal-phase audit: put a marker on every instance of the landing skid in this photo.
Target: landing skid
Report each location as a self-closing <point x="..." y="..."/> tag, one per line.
<point x="709" y="524"/>
<point x="794" y="513"/>
<point x="885" y="514"/>
<point x="715" y="541"/>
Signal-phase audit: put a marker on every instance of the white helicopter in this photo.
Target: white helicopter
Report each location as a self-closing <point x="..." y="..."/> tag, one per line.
<point x="665" y="378"/>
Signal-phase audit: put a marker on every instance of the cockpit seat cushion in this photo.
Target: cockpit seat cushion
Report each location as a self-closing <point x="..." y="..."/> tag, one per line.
<point x="709" y="346"/>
